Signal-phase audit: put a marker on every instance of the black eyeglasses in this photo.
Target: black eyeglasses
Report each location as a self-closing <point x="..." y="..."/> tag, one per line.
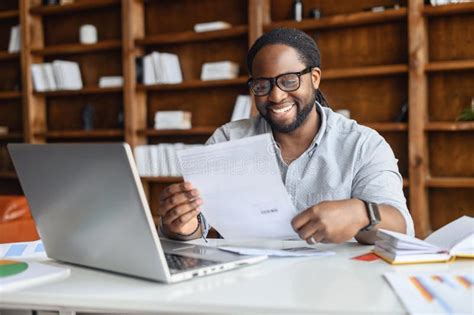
<point x="287" y="82"/>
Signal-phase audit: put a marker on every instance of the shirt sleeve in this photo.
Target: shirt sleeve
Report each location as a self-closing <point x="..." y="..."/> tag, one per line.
<point x="377" y="178"/>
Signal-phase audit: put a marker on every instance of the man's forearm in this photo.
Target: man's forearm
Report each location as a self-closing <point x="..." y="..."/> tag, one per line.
<point x="392" y="220"/>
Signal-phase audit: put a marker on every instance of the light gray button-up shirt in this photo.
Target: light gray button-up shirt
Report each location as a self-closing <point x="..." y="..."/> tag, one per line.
<point x="345" y="160"/>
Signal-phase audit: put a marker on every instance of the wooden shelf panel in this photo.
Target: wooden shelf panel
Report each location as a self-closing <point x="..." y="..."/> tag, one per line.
<point x="73" y="7"/>
<point x="5" y="55"/>
<point x="450" y="182"/>
<point x="78" y="48"/>
<point x="193" y="84"/>
<point x="406" y="182"/>
<point x="10" y="95"/>
<point x="79" y="134"/>
<point x="191" y="36"/>
<point x="352" y="19"/>
<point x="84" y="91"/>
<point x="448" y="9"/>
<point x="11" y="136"/>
<point x="381" y="126"/>
<point x="450" y="126"/>
<point x="196" y="131"/>
<point x="9" y="14"/>
<point x="8" y="175"/>
<point x="332" y="74"/>
<point x="449" y="65"/>
<point x="161" y="179"/>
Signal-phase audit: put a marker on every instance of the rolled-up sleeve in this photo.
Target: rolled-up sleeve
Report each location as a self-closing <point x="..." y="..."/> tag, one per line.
<point x="377" y="178"/>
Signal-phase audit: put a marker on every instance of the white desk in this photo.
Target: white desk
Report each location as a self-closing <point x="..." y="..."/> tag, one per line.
<point x="335" y="284"/>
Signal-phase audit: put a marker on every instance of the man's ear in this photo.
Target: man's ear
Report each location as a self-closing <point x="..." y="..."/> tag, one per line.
<point x="316" y="77"/>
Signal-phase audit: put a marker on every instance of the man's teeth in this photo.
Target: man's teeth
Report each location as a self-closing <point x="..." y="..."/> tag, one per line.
<point x="283" y="110"/>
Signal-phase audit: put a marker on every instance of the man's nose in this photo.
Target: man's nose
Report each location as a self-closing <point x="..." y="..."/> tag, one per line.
<point x="276" y="94"/>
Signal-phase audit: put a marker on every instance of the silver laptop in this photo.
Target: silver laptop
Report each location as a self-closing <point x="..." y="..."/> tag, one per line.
<point x="90" y="209"/>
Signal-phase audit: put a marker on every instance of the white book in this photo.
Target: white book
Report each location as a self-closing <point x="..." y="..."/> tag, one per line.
<point x="73" y="75"/>
<point x="158" y="67"/>
<point x="242" y="108"/>
<point x="39" y="82"/>
<point x="161" y="161"/>
<point x="58" y="76"/>
<point x="15" y="275"/>
<point x="149" y="76"/>
<point x="15" y="39"/>
<point x="211" y="26"/>
<point x="171" y="68"/>
<point x="49" y="75"/>
<point x="110" y="81"/>
<point x="455" y="239"/>
<point x="220" y="70"/>
<point x="172" y="119"/>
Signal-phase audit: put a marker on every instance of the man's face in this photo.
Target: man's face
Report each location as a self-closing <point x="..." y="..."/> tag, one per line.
<point x="284" y="111"/>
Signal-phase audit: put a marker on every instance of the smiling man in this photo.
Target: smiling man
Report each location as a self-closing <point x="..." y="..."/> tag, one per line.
<point x="342" y="177"/>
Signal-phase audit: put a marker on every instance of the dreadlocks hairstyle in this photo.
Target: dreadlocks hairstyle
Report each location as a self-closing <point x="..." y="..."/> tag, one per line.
<point x="308" y="51"/>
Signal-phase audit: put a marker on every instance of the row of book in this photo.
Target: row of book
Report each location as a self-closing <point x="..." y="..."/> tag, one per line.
<point x="160" y="159"/>
<point x="57" y="75"/>
<point x="159" y="67"/>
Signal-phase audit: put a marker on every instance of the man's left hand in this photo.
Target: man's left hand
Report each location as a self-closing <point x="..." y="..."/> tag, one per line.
<point x="331" y="221"/>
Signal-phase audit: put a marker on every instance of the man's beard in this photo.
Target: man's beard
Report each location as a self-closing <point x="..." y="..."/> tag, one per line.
<point x="301" y="115"/>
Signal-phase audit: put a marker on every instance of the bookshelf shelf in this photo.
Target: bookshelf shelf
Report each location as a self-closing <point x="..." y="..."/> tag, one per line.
<point x="193" y="84"/>
<point x="8" y="175"/>
<point x="343" y="20"/>
<point x="79" y="134"/>
<point x="449" y="9"/>
<point x="78" y="48"/>
<point x="85" y="91"/>
<point x="450" y="126"/>
<point x="449" y="65"/>
<point x="196" y="131"/>
<point x="73" y="7"/>
<point x="191" y="36"/>
<point x="14" y="136"/>
<point x="450" y="182"/>
<point x="9" y="14"/>
<point x="333" y="74"/>
<point x="10" y="95"/>
<point x="161" y="179"/>
<point x="388" y="127"/>
<point x="5" y="55"/>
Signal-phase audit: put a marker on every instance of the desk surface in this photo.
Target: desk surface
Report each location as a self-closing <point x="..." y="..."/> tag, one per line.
<point x="334" y="284"/>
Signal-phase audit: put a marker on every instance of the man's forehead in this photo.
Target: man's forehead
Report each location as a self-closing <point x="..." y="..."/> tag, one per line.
<point x="275" y="59"/>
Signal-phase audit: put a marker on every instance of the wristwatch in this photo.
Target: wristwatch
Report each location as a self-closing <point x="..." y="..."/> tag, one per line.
<point x="373" y="214"/>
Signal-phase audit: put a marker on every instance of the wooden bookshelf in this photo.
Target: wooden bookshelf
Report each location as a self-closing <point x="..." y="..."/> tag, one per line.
<point x="161" y="179"/>
<point x="191" y="36"/>
<point x="10" y="95"/>
<point x="5" y="55"/>
<point x="73" y="7"/>
<point x="373" y="63"/>
<point x="8" y="175"/>
<point x="78" y="48"/>
<point x="9" y="14"/>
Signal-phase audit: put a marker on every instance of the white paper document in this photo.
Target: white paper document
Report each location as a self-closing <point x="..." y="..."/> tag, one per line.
<point x="241" y="188"/>
<point x="287" y="252"/>
<point x="33" y="249"/>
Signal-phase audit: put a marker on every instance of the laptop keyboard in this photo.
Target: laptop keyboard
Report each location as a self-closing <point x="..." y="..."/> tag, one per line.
<point x="181" y="263"/>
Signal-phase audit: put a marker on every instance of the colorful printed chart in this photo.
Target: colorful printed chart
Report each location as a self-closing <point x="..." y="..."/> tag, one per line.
<point x="22" y="250"/>
<point x="434" y="293"/>
<point x="10" y="268"/>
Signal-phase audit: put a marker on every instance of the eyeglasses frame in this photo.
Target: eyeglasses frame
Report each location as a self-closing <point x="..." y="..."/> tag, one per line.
<point x="274" y="81"/>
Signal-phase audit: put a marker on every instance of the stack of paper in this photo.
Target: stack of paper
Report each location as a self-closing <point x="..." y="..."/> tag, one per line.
<point x="173" y="119"/>
<point x="242" y="108"/>
<point x="455" y="239"/>
<point x="16" y="275"/>
<point x="434" y="293"/>
<point x="221" y="70"/>
<point x="58" y="75"/>
<point x="160" y="159"/>
<point x="15" y="39"/>
<point x="161" y="68"/>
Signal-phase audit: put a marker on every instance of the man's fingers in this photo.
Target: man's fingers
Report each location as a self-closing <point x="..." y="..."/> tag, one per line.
<point x="176" y="200"/>
<point x="184" y="219"/>
<point x="180" y="210"/>
<point x="303" y="218"/>
<point x="175" y="188"/>
<point x="307" y="230"/>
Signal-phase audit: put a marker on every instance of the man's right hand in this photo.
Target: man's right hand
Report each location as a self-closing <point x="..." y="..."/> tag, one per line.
<point x="179" y="206"/>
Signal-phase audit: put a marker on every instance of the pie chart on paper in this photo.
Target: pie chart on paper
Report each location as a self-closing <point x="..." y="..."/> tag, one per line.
<point x="11" y="267"/>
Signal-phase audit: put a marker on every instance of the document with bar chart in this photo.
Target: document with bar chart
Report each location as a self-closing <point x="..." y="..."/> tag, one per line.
<point x="23" y="250"/>
<point x="443" y="293"/>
